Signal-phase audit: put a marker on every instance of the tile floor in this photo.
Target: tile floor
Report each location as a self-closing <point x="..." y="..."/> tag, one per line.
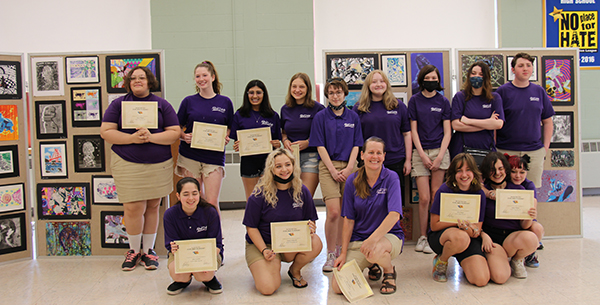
<point x="568" y="275"/>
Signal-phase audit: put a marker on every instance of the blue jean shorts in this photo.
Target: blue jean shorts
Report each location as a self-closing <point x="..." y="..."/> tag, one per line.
<point x="309" y="162"/>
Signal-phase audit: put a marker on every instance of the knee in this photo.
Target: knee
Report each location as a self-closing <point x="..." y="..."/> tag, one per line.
<point x="479" y="280"/>
<point x="267" y="288"/>
<point x="424" y="198"/>
<point x="460" y="239"/>
<point x="333" y="213"/>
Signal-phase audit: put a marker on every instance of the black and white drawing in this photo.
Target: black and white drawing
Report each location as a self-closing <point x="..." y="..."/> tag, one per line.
<point x="10" y="80"/>
<point x="47" y="76"/>
<point x="563" y="134"/>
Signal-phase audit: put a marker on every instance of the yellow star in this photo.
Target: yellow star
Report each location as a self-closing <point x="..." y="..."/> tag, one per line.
<point x="557" y="14"/>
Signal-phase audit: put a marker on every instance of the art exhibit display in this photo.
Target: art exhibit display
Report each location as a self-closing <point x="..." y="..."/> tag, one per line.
<point x="68" y="239"/>
<point x="53" y="160"/>
<point x="562" y="158"/>
<point x="104" y="190"/>
<point x="113" y="230"/>
<point x="9" y="161"/>
<point x="13" y="233"/>
<point x="63" y="201"/>
<point x="88" y="153"/>
<point x="10" y="80"/>
<point x="394" y="67"/>
<point x="86" y="107"/>
<point x="563" y="134"/>
<point x="558" y="186"/>
<point x="12" y="197"/>
<point x="47" y="76"/>
<point x="420" y="60"/>
<point x="82" y="69"/>
<point x="352" y="68"/>
<point x="9" y="123"/>
<point x="495" y="62"/>
<point x="558" y="79"/>
<point x="118" y="67"/>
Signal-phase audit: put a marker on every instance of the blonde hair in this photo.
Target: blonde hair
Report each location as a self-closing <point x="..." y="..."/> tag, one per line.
<point x="266" y="184"/>
<point x="364" y="102"/>
<point x="290" y="101"/>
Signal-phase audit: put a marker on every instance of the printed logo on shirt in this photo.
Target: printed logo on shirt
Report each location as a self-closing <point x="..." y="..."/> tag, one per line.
<point x="485" y="106"/>
<point x="436" y="109"/>
<point x="382" y="191"/>
<point x="305" y="116"/>
<point x="218" y="109"/>
<point x="297" y="205"/>
<point x="266" y="123"/>
<point x="534" y="99"/>
<point x="201" y="229"/>
<point x="348" y="125"/>
<point x="394" y="112"/>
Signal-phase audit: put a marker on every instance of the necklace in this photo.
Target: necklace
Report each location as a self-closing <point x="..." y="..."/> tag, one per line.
<point x="256" y="119"/>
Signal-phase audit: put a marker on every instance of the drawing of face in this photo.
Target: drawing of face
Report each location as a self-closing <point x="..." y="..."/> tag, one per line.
<point x="88" y="148"/>
<point x="47" y="73"/>
<point x="49" y="113"/>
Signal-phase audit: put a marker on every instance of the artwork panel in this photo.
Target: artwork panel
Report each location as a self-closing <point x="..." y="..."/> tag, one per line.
<point x="13" y="233"/>
<point x="53" y="160"/>
<point x="352" y="68"/>
<point x="420" y="60"/>
<point x="562" y="158"/>
<point x="352" y="98"/>
<point x="86" y="107"/>
<point x="9" y="123"/>
<point x="9" y="161"/>
<point x="10" y="80"/>
<point x="12" y="197"/>
<point x="113" y="231"/>
<point x="558" y="79"/>
<point x="104" y="190"/>
<point x="88" y="151"/>
<point x="118" y="67"/>
<point x="51" y="119"/>
<point x="495" y="62"/>
<point x="63" y="201"/>
<point x="563" y="130"/>
<point x="47" y="76"/>
<point x="394" y="66"/>
<point x="558" y="186"/>
<point x="68" y="239"/>
<point x="82" y="69"/>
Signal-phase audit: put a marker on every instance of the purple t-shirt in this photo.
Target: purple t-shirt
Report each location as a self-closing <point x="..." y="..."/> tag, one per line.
<point x="296" y="122"/>
<point x="528" y="185"/>
<point x="524" y="109"/>
<point x="255" y="121"/>
<point x="195" y="108"/>
<point x="204" y="223"/>
<point x="389" y="125"/>
<point x="146" y="152"/>
<point x="430" y="114"/>
<point x="444" y="188"/>
<point x="369" y="213"/>
<point x="338" y="134"/>
<point x="476" y="108"/>
<point x="490" y="211"/>
<point x="259" y="214"/>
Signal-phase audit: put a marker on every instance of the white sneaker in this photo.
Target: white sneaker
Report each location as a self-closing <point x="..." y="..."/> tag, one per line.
<point x="427" y="248"/>
<point x="328" y="266"/>
<point x="421" y="244"/>
<point x="518" y="269"/>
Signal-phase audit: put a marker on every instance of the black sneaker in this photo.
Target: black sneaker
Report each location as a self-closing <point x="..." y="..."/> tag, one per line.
<point x="213" y="286"/>
<point x="541" y="246"/>
<point x="131" y="260"/>
<point x="177" y="287"/>
<point x="150" y="260"/>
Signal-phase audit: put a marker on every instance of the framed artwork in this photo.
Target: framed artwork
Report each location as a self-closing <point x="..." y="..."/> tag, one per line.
<point x="558" y="186"/>
<point x="117" y="68"/>
<point x="352" y="98"/>
<point x="510" y="76"/>
<point x="51" y="119"/>
<point x="352" y="68"/>
<point x="420" y="60"/>
<point x="9" y="161"/>
<point x="563" y="133"/>
<point x="47" y="75"/>
<point x="53" y="160"/>
<point x="9" y="123"/>
<point x="406" y="222"/>
<point x="63" y="201"/>
<point x="402" y="97"/>
<point x="562" y="158"/>
<point x="68" y="238"/>
<point x="10" y="80"/>
<point x="394" y="67"/>
<point x="13" y="231"/>
<point x="12" y="198"/>
<point x="558" y="79"/>
<point x="495" y="62"/>
<point x="113" y="230"/>
<point x="88" y="151"/>
<point x="86" y="107"/>
<point x="82" y="70"/>
<point x="104" y="190"/>
<point x="112" y="97"/>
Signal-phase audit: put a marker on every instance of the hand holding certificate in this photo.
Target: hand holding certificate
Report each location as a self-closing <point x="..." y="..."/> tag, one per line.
<point x="196" y="255"/>
<point x="351" y="281"/>
<point x="291" y="236"/>
<point x="139" y="115"/>
<point x="459" y="206"/>
<point x="513" y="204"/>
<point x="255" y="141"/>
<point x="209" y="136"/>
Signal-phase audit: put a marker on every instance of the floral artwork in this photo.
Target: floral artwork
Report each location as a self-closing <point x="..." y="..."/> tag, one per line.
<point x="11" y="198"/>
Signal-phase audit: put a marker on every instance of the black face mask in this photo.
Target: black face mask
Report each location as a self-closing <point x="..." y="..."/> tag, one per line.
<point x="431" y="85"/>
<point x="342" y="105"/>
<point x="283" y="181"/>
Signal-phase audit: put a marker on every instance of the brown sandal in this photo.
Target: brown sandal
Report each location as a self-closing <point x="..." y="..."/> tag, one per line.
<point x="374" y="272"/>
<point x="385" y="284"/>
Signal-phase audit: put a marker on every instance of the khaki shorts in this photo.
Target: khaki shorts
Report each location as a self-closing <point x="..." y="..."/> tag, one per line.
<point x="361" y="260"/>
<point x="196" y="168"/>
<point x="172" y="259"/>
<point x="536" y="163"/>
<point x="253" y="255"/>
<point x="330" y="188"/>
<point x="419" y="170"/>
<point x="141" y="181"/>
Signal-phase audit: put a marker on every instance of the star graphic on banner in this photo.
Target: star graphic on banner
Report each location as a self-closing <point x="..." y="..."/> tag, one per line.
<point x="557" y="14"/>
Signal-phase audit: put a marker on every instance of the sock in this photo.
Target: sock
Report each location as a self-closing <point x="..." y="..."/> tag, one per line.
<point x="148" y="241"/>
<point x="135" y="242"/>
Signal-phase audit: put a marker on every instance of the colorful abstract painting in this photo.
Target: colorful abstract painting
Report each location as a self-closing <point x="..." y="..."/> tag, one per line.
<point x="11" y="198"/>
<point x="352" y="68"/>
<point x="119" y="66"/>
<point x="352" y="98"/>
<point x="9" y="123"/>
<point x="68" y="239"/>
<point x="558" y="186"/>
<point x="82" y="69"/>
<point x="59" y="201"/>
<point x="53" y="160"/>
<point x="495" y="62"/>
<point x="558" y="79"/>
<point x="114" y="234"/>
<point x="104" y="190"/>
<point x="562" y="158"/>
<point x="85" y="105"/>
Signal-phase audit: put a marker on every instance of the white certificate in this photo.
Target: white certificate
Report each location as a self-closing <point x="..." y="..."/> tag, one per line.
<point x="459" y="206"/>
<point x="209" y="136"/>
<point x="196" y="255"/>
<point x="255" y="141"/>
<point x="296" y="152"/>
<point x="290" y="236"/>
<point x="351" y="281"/>
<point x="513" y="204"/>
<point x="139" y="114"/>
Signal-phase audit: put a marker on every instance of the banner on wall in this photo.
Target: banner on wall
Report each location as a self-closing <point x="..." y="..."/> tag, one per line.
<point x="573" y="24"/>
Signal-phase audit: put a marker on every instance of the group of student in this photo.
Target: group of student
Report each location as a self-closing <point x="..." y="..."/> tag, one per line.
<point x="363" y="203"/>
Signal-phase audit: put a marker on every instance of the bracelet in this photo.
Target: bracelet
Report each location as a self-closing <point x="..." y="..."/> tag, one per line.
<point x="263" y="250"/>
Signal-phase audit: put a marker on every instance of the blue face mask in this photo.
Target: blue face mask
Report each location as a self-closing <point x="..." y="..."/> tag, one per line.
<point x="476" y="82"/>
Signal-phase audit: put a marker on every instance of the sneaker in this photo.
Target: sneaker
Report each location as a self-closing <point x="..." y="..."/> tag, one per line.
<point x="421" y="244"/>
<point x="427" y="248"/>
<point x="518" y="269"/>
<point x="213" y="286"/>
<point x="131" y="260"/>
<point x="328" y="266"/>
<point x="541" y="246"/>
<point x="177" y="287"/>
<point x="150" y="260"/>
<point x="531" y="260"/>
<point x="439" y="270"/>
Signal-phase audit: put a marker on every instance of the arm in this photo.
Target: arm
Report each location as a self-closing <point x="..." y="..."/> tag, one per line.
<point x="461" y="126"/>
<point x="259" y="243"/>
<point x="327" y="161"/>
<point x="491" y="123"/>
<point x="348" y="170"/>
<point x="110" y="133"/>
<point x="287" y="144"/>
<point x="415" y="138"/>
<point x="166" y="137"/>
<point x="547" y="129"/>
<point x="444" y="147"/>
<point x="347" y="229"/>
<point x="408" y="152"/>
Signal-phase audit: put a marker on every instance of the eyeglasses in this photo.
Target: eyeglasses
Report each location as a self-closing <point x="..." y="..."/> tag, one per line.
<point x="335" y="93"/>
<point x="255" y="92"/>
<point x="134" y="78"/>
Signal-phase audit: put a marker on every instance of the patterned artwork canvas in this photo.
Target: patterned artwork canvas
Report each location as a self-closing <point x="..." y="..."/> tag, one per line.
<point x="558" y="186"/>
<point x="60" y="201"/>
<point x="558" y="79"/>
<point x="394" y="67"/>
<point x="82" y="69"/>
<point x="11" y="198"/>
<point x="114" y="234"/>
<point x="495" y="62"/>
<point x="10" y="80"/>
<point x="68" y="239"/>
<point x="86" y="107"/>
<point x="352" y="68"/>
<point x="9" y="123"/>
<point x="420" y="60"/>
<point x="118" y="67"/>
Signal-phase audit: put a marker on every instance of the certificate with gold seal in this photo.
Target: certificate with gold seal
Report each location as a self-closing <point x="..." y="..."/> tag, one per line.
<point x="209" y="136"/>
<point x="459" y="206"/>
<point x="139" y="114"/>
<point x="290" y="236"/>
<point x="255" y="141"/>
<point x="196" y="255"/>
<point x="352" y="282"/>
<point x="513" y="204"/>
